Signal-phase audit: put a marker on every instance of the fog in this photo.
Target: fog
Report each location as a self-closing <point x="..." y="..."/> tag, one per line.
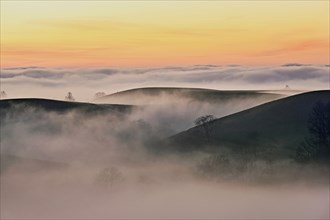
<point x="169" y="114"/>
<point x="78" y="165"/>
<point x="41" y="198"/>
<point x="42" y="82"/>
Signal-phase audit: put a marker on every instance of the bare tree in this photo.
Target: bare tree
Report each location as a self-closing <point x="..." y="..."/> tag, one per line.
<point x="99" y="95"/>
<point x="319" y="123"/>
<point x="69" y="97"/>
<point x="206" y="122"/>
<point x="3" y="95"/>
<point x="317" y="145"/>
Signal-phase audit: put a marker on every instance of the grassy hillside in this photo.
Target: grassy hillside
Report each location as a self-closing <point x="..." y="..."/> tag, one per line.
<point x="205" y="95"/>
<point x="276" y="128"/>
<point x="9" y="105"/>
<point x="31" y="116"/>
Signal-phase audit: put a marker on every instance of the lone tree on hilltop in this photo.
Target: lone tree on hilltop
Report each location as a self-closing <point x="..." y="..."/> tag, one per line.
<point x="206" y="122"/>
<point x="69" y="97"/>
<point x="3" y="95"/>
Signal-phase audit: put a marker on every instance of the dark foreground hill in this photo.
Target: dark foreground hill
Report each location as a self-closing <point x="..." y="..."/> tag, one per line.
<point x="276" y="128"/>
<point x="156" y="94"/>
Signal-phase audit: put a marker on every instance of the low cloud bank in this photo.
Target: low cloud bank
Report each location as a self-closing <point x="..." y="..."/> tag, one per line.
<point x="84" y="83"/>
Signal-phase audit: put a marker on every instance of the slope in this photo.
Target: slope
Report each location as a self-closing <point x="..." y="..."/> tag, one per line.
<point x="277" y="127"/>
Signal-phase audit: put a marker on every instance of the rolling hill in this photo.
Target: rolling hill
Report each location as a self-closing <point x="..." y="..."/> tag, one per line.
<point x="275" y="128"/>
<point x="9" y="105"/>
<point x="19" y="112"/>
<point x="152" y="95"/>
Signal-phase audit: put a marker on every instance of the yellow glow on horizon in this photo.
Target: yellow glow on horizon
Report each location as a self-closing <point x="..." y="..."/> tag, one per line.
<point x="144" y="33"/>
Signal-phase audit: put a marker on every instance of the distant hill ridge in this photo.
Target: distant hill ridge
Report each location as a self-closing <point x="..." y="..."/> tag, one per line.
<point x="199" y="94"/>
<point x="154" y="91"/>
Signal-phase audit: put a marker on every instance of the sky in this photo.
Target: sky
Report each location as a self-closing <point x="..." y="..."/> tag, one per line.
<point x="163" y="33"/>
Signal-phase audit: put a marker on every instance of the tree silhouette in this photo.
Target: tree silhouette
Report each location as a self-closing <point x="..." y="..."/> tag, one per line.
<point x="317" y="145"/>
<point x="69" y="97"/>
<point x="206" y="122"/>
<point x="3" y="95"/>
<point x="99" y="95"/>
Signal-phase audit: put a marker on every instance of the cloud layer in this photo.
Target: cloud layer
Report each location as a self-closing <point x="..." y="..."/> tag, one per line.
<point x="85" y="82"/>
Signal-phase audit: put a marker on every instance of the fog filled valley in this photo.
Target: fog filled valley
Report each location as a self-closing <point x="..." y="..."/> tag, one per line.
<point x="164" y="110"/>
<point x="122" y="159"/>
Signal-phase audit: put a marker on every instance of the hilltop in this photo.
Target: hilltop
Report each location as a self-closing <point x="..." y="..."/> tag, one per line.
<point x="155" y="94"/>
<point x="276" y="128"/>
<point x="50" y="105"/>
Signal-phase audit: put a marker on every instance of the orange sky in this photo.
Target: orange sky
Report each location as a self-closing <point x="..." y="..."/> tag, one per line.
<point x="161" y="33"/>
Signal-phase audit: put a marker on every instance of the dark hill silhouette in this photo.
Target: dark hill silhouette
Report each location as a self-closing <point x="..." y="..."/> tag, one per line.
<point x="276" y="127"/>
<point x="151" y="94"/>
<point x="11" y="111"/>
<point x="62" y="106"/>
